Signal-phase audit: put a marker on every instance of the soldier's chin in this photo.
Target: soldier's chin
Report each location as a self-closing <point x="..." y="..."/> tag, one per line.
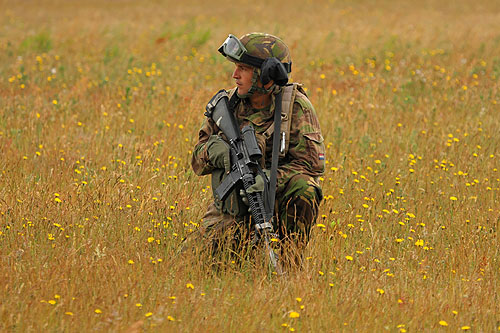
<point x="241" y="91"/>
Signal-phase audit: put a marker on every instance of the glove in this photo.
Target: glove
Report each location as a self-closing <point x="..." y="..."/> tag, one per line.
<point x="257" y="187"/>
<point x="218" y="153"/>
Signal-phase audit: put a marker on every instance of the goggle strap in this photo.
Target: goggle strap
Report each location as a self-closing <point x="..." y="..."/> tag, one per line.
<point x="257" y="62"/>
<point x="253" y="61"/>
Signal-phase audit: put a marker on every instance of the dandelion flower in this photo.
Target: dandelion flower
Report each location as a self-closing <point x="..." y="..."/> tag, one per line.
<point x="294" y="314"/>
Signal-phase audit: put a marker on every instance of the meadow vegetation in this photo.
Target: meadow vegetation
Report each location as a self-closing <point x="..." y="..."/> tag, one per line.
<point x="100" y="105"/>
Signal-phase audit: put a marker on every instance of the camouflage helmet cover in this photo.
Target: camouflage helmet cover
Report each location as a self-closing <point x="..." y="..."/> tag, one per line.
<point x="265" y="46"/>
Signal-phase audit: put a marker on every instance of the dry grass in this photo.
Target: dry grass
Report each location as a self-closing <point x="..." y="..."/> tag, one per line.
<point x="100" y="106"/>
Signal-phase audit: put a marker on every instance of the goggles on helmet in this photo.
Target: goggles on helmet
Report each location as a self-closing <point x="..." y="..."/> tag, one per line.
<point x="234" y="49"/>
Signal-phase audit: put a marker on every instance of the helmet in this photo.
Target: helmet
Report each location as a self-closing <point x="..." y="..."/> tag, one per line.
<point x="268" y="54"/>
<point x="253" y="48"/>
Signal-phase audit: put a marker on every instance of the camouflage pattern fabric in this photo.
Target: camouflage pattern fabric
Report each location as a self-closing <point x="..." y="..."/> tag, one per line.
<point x="266" y="46"/>
<point x="298" y="208"/>
<point x="298" y="189"/>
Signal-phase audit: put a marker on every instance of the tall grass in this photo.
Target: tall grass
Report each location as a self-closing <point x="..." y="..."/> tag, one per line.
<point x="100" y="107"/>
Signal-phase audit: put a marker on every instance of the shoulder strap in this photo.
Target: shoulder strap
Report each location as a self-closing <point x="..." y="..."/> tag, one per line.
<point x="289" y="92"/>
<point x="274" y="162"/>
<point x="286" y="116"/>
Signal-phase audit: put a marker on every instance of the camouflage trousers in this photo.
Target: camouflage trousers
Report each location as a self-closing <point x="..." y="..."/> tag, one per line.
<point x="296" y="211"/>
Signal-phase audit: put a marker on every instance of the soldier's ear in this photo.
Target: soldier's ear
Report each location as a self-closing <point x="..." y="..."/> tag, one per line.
<point x="273" y="69"/>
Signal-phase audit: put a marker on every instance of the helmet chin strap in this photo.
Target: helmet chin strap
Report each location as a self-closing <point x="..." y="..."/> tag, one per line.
<point x="255" y="88"/>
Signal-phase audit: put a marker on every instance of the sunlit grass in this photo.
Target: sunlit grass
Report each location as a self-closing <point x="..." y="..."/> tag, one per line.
<point x="100" y="108"/>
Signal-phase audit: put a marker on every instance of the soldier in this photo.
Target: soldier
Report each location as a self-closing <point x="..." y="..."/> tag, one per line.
<point x="302" y="154"/>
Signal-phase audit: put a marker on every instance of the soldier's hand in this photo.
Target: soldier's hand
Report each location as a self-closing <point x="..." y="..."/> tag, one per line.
<point x="218" y="153"/>
<point x="257" y="187"/>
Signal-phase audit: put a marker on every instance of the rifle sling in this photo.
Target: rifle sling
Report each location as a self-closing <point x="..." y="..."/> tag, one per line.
<point x="276" y="149"/>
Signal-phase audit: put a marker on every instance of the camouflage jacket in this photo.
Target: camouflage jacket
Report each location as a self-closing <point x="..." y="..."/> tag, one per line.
<point x="306" y="151"/>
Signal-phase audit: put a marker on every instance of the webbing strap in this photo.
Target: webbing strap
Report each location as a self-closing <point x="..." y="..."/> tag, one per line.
<point x="276" y="144"/>
<point x="289" y="93"/>
<point x="287" y="102"/>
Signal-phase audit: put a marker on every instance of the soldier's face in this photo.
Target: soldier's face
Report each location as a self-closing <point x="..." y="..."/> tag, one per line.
<point x="242" y="75"/>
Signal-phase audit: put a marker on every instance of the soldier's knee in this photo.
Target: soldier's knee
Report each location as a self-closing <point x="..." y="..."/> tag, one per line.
<point x="299" y="208"/>
<point x="304" y="187"/>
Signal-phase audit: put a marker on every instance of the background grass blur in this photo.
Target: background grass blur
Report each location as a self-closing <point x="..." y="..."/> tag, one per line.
<point x="100" y="104"/>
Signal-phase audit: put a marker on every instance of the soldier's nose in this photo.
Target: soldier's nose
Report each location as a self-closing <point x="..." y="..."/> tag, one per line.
<point x="236" y="75"/>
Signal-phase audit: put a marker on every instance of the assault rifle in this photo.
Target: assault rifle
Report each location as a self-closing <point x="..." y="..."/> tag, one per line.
<point x="245" y="156"/>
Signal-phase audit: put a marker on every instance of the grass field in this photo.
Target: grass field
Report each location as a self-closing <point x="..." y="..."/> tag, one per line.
<point x="100" y="105"/>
